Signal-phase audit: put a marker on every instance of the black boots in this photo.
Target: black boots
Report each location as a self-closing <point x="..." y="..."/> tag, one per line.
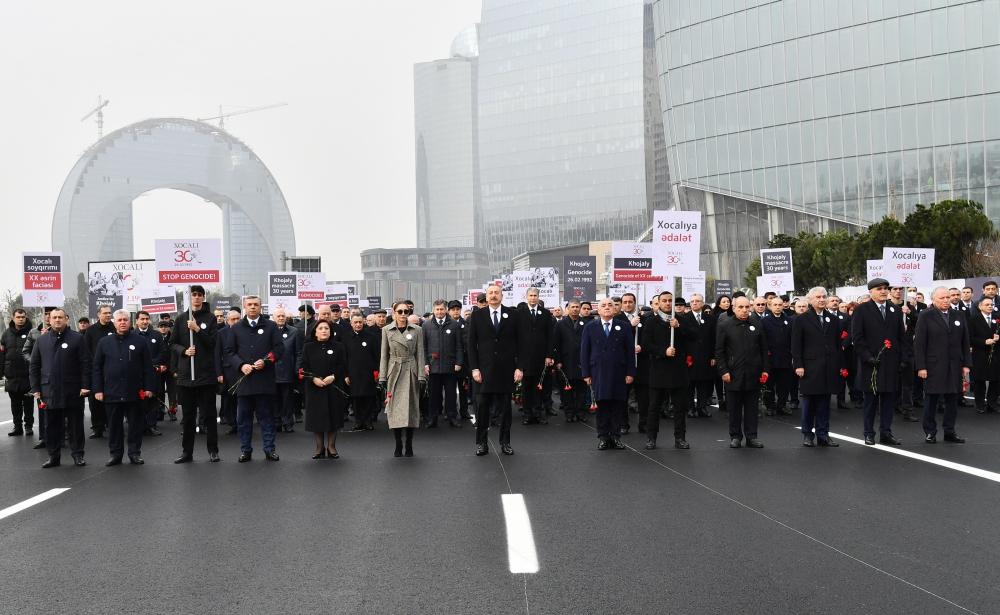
<point x="398" y="435"/>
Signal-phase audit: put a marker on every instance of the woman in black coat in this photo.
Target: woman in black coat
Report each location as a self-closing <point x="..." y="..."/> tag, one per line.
<point x="363" y="348"/>
<point x="324" y="370"/>
<point x="15" y="370"/>
<point x="984" y="333"/>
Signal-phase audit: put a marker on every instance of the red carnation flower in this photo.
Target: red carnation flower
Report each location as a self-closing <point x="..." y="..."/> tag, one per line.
<point x="593" y="407"/>
<point x="270" y="357"/>
<point x="887" y="343"/>
<point x="843" y="335"/>
<point x="42" y="405"/>
<point x="843" y="372"/>
<point x="763" y="378"/>
<point x="539" y="386"/>
<point x="375" y="374"/>
<point x="689" y="360"/>
<point x="567" y="388"/>
<point x="302" y="374"/>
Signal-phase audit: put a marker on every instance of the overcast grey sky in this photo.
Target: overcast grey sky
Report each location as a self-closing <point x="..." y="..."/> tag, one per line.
<point x="343" y="145"/>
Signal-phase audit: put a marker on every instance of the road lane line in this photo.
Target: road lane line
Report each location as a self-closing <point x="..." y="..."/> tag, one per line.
<point x="16" y="508"/>
<point x="520" y="541"/>
<point x="2" y="423"/>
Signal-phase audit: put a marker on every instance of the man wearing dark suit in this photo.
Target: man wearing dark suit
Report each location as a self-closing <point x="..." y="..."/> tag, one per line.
<point x="777" y="326"/>
<point x="463" y="377"/>
<point x="742" y="360"/>
<point x="607" y="363"/>
<point x="364" y="349"/>
<point x="123" y="378"/>
<point x="874" y="323"/>
<point x="255" y="345"/>
<point x="94" y="333"/>
<point x="443" y="360"/>
<point x="160" y="352"/>
<point x="535" y="347"/>
<point x="668" y="368"/>
<point x="566" y="341"/>
<point x="967" y="300"/>
<point x="496" y="365"/>
<point x="984" y="333"/>
<point x="59" y="373"/>
<point x="226" y="374"/>
<point x="942" y="360"/>
<point x="817" y="361"/>
<point x="286" y="372"/>
<point x="701" y="349"/>
<point x="193" y="340"/>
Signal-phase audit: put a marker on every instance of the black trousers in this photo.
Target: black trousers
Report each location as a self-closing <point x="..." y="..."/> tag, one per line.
<point x="98" y="415"/>
<point x="464" y="395"/>
<point x="678" y="396"/>
<point x="779" y="387"/>
<point x="701" y="393"/>
<point x="881" y="404"/>
<point x="443" y="391"/>
<point x="547" y="383"/>
<point x="486" y="405"/>
<point x="228" y="408"/>
<point x="642" y="401"/>
<point x="171" y="385"/>
<point x="610" y="418"/>
<point x="55" y="419"/>
<point x="574" y="401"/>
<point x="284" y="411"/>
<point x="986" y="396"/>
<point x="532" y="403"/>
<point x="151" y="409"/>
<point x="742" y="413"/>
<point x="197" y="401"/>
<point x="22" y="408"/>
<point x="950" y="412"/>
<point x="133" y="413"/>
<point x="364" y="410"/>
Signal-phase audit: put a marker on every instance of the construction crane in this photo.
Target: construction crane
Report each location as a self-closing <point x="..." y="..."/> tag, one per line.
<point x="99" y="110"/>
<point x="222" y="116"/>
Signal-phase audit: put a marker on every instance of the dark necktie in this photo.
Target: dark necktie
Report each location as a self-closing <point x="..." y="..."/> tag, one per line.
<point x="253" y="323"/>
<point x="881" y="308"/>
<point x="496" y="320"/>
<point x="607" y="329"/>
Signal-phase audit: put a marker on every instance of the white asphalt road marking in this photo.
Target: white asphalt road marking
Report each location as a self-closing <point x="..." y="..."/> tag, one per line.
<point x="6" y="422"/>
<point x="16" y="508"/>
<point x="895" y="450"/>
<point x="520" y="541"/>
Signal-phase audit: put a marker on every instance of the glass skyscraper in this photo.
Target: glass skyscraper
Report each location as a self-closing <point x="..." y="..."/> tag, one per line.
<point x="569" y="124"/>
<point x="789" y="115"/>
<point x="447" y="159"/>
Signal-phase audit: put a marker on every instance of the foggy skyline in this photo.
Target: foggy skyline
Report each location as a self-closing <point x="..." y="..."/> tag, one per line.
<point x="342" y="148"/>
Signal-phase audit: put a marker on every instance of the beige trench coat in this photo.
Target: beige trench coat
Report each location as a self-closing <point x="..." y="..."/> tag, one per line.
<point x="401" y="370"/>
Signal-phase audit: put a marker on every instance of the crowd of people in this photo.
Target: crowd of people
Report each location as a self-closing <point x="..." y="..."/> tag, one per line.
<point x="887" y="352"/>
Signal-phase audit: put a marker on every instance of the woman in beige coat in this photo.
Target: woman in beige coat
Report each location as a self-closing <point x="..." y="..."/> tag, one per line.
<point x="401" y="373"/>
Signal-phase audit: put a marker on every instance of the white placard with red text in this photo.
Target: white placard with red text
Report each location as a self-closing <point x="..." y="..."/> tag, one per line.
<point x="189" y="261"/>
<point x="676" y="243"/>
<point x="42" y="282"/>
<point x="908" y="266"/>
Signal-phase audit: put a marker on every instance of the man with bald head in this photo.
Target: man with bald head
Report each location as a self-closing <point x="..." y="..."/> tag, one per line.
<point x="743" y="362"/>
<point x="942" y="359"/>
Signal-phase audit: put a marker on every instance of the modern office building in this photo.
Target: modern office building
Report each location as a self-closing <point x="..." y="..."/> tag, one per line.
<point x="423" y="274"/>
<point x="447" y="159"/>
<point x="793" y="115"/>
<point x="93" y="215"/>
<point x="570" y="126"/>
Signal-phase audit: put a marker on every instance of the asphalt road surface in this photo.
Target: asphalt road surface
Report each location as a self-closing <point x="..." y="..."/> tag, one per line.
<point x="710" y="530"/>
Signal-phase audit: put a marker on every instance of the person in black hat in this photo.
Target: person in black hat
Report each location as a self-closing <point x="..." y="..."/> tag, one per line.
<point x="881" y="348"/>
<point x="341" y="326"/>
<point x="306" y="314"/>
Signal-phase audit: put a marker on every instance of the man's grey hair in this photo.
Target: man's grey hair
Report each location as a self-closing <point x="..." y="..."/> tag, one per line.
<point x="125" y="312"/>
<point x="815" y="290"/>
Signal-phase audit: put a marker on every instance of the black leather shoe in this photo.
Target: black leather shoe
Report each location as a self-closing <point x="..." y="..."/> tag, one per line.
<point x="506" y="449"/>
<point x="40" y="445"/>
<point x="980" y="410"/>
<point x="28" y="431"/>
<point x="735" y="443"/>
<point x="543" y="420"/>
<point x="79" y="462"/>
<point x="930" y="439"/>
<point x="526" y="421"/>
<point x="650" y="444"/>
<point x="433" y="424"/>
<point x="454" y="423"/>
<point x="618" y="445"/>
<point x="17" y="432"/>
<point x="754" y="443"/>
<point x="184" y="459"/>
<point x="136" y="460"/>
<point x="603" y="445"/>
<point x="807" y="441"/>
<point x="482" y="449"/>
<point x="97" y="435"/>
<point x="551" y="412"/>
<point x="842" y="406"/>
<point x="870" y="440"/>
<point x="271" y="456"/>
<point x="682" y="444"/>
<point x="152" y="431"/>
<point x="114" y="461"/>
<point x="320" y="455"/>
<point x="214" y="457"/>
<point x="908" y="416"/>
<point x="889" y="439"/>
<point x="51" y="463"/>
<point x="827" y="442"/>
<point x="624" y="429"/>
<point x="245" y="457"/>
<point x="230" y="431"/>
<point x="953" y="437"/>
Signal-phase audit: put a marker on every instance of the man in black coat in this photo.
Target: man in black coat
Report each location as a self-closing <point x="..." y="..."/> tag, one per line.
<point x="942" y="360"/>
<point x="702" y="372"/>
<point x="566" y="339"/>
<point x="255" y="345"/>
<point x="984" y="333"/>
<point x="286" y="371"/>
<point x="160" y="353"/>
<point x="94" y="333"/>
<point x="443" y="360"/>
<point x="880" y="347"/>
<point x="464" y="377"/>
<point x="743" y="363"/>
<point x="226" y="374"/>
<point x="817" y="361"/>
<point x="668" y="368"/>
<point x="496" y="366"/>
<point x="123" y="378"/>
<point x="193" y="338"/>
<point x="364" y="347"/>
<point x="777" y="327"/>
<point x="15" y="371"/>
<point x="59" y="371"/>
<point x="26" y="350"/>
<point x="535" y="325"/>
